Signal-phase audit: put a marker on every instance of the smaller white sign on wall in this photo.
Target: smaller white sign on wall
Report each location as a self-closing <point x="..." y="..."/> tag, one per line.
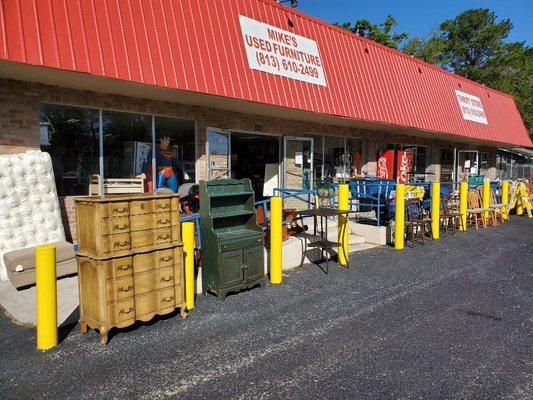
<point x="471" y="107"/>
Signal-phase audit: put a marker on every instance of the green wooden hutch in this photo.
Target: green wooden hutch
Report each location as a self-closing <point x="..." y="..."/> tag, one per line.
<point x="232" y="242"/>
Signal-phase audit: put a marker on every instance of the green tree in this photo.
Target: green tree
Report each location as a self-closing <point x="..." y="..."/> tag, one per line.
<point x="472" y="45"/>
<point x="381" y="33"/>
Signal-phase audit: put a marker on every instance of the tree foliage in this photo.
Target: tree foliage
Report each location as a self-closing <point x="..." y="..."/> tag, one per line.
<point x="381" y="33"/>
<point x="473" y="45"/>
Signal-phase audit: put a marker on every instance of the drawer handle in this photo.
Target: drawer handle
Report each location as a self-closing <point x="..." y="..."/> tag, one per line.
<point x="124" y="311"/>
<point x="169" y="279"/>
<point x="120" y="228"/>
<point x="165" y="259"/>
<point x="119" y="211"/>
<point x="161" y="237"/>
<point x="124" y="267"/>
<point x="162" y="206"/>
<point x="167" y="299"/>
<point x="142" y="206"/>
<point x="161" y="222"/>
<point x="121" y="289"/>
<point x="123" y="244"/>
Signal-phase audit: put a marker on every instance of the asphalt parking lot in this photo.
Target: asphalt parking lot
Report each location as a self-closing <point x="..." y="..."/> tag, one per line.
<point x="451" y="319"/>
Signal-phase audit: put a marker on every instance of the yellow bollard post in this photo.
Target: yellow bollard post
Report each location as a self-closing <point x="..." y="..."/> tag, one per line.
<point x="463" y="204"/>
<point x="276" y="221"/>
<point x="485" y="198"/>
<point x="519" y="202"/>
<point x="46" y="296"/>
<point x="344" y="204"/>
<point x="435" y="210"/>
<point x="188" y="249"/>
<point x="399" y="217"/>
<point x="505" y="200"/>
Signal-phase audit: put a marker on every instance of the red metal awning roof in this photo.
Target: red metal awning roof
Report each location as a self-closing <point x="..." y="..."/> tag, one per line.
<point x="198" y="45"/>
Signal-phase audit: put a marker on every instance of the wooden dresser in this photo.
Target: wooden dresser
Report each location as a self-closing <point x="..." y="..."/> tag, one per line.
<point x="130" y="259"/>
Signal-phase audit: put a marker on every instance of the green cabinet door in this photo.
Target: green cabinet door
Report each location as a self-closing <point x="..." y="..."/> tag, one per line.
<point x="253" y="261"/>
<point x="230" y="269"/>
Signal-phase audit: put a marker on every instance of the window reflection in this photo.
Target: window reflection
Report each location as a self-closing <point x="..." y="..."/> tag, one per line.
<point x="70" y="136"/>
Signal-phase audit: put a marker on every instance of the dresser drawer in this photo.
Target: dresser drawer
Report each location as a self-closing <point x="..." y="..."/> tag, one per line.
<point x="166" y="300"/>
<point x="144" y="262"/>
<point x="142" y="239"/>
<point x="146" y="304"/>
<point x="122" y="312"/>
<point x="165" y="257"/>
<point x="119" y="289"/>
<point x="179" y="293"/>
<point x="163" y="235"/>
<point x="115" y="225"/>
<point x="162" y="205"/>
<point x="179" y="268"/>
<point x="115" y="209"/>
<point x="146" y="282"/>
<point x="118" y="267"/>
<point x="115" y="243"/>
<point x="141" y="207"/>
<point x="163" y="219"/>
<point x="166" y="277"/>
<point x="176" y="234"/>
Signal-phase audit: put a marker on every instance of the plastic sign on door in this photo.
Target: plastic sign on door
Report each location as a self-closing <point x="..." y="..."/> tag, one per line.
<point x="279" y="52"/>
<point x="471" y="107"/>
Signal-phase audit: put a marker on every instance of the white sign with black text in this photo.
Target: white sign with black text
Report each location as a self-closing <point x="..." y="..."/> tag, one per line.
<point x="471" y="107"/>
<point x="279" y="52"/>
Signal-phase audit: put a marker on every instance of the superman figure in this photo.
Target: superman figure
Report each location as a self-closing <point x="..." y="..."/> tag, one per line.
<point x="166" y="162"/>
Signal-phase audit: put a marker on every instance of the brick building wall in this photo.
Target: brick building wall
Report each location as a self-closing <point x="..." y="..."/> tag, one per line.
<point x="19" y="125"/>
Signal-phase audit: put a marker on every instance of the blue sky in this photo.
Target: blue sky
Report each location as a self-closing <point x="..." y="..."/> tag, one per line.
<point x="419" y="17"/>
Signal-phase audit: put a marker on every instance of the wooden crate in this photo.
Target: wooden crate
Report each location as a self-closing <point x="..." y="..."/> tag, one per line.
<point x="119" y="291"/>
<point x="114" y="226"/>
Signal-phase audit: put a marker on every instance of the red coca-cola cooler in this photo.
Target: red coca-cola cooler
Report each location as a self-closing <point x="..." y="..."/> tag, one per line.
<point x="404" y="166"/>
<point x="385" y="169"/>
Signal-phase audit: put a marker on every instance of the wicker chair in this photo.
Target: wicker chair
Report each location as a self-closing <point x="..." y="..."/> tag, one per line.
<point x="496" y="208"/>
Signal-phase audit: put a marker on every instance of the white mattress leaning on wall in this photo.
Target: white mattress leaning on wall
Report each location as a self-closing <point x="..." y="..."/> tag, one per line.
<point x="29" y="207"/>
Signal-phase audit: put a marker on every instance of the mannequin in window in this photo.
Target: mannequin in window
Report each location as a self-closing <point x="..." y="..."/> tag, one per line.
<point x="170" y="170"/>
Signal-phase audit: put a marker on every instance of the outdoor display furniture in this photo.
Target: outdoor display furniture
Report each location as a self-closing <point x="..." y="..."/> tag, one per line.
<point x="130" y="260"/>
<point x="496" y="208"/>
<point x="475" y="209"/>
<point x="449" y="215"/>
<point x="232" y="242"/>
<point x="416" y="220"/>
<point x="323" y="243"/>
<point x="30" y="215"/>
<point x="20" y="263"/>
<point x="117" y="185"/>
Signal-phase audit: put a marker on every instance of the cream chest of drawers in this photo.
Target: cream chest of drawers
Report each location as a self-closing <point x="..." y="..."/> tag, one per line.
<point x="130" y="260"/>
<point x="110" y="226"/>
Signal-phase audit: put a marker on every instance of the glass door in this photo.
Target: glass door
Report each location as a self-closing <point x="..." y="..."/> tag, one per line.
<point x="467" y="164"/>
<point x="297" y="167"/>
<point x="298" y="163"/>
<point x="218" y="154"/>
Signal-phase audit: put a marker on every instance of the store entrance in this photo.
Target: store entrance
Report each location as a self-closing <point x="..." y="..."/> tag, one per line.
<point x="256" y="157"/>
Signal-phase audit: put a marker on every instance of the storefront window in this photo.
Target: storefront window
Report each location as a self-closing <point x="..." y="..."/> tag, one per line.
<point x="354" y="151"/>
<point x="70" y="136"/>
<point x="333" y="157"/>
<point x="127" y="141"/>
